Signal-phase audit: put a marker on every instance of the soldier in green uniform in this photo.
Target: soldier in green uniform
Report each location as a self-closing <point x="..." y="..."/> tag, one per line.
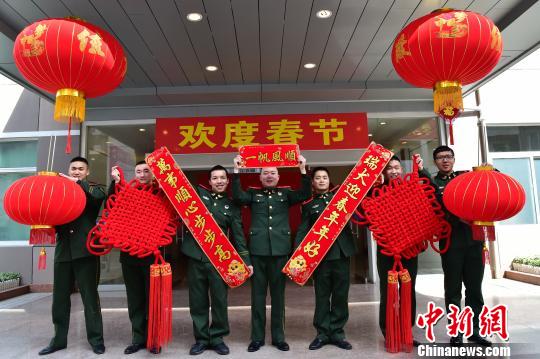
<point x="463" y="262"/>
<point x="332" y="276"/>
<point x="73" y="262"/>
<point x="269" y="246"/>
<point x="385" y="263"/>
<point x="136" y="273"/>
<point x="203" y="278"/>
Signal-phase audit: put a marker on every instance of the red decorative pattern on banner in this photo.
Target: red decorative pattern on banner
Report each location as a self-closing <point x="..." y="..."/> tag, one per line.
<point x="327" y="131"/>
<point x="328" y="226"/>
<point x="269" y="156"/>
<point x="208" y="234"/>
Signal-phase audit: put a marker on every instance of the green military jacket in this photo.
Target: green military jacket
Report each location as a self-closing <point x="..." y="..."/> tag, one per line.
<point x="344" y="245"/>
<point x="125" y="257"/>
<point x="461" y="232"/>
<point x="270" y="232"/>
<point x="227" y="216"/>
<point x="71" y="243"/>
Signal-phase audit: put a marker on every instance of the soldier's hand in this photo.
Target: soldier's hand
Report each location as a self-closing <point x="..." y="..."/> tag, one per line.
<point x="302" y="164"/>
<point x="250" y="268"/>
<point x="419" y="161"/>
<point x="379" y="181"/>
<point x="68" y="177"/>
<point x="237" y="163"/>
<point x="115" y="174"/>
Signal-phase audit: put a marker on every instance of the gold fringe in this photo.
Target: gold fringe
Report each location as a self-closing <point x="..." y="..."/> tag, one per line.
<point x="69" y="103"/>
<point x="447" y="94"/>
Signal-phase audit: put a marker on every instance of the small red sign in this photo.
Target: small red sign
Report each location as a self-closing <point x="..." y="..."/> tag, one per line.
<point x="269" y="156"/>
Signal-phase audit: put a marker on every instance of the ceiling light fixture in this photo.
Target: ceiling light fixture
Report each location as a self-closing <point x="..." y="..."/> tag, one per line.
<point x="211" y="68"/>
<point x="370" y="134"/>
<point x="194" y="17"/>
<point x="142" y="129"/>
<point x="382" y="123"/>
<point x="309" y="65"/>
<point x="324" y="14"/>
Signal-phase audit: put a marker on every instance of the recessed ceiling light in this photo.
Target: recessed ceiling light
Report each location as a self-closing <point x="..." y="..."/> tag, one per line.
<point x="382" y="123"/>
<point x="370" y="134"/>
<point x="211" y="68"/>
<point x="142" y="129"/>
<point x="194" y="16"/>
<point x="403" y="142"/>
<point x="324" y="14"/>
<point x="309" y="65"/>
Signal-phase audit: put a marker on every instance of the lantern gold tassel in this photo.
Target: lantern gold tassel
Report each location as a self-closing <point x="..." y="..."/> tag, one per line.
<point x="69" y="106"/>
<point x="447" y="94"/>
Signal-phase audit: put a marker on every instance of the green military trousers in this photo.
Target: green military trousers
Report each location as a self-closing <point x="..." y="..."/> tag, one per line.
<point x="85" y="271"/>
<point x="137" y="280"/>
<point x="331" y="281"/>
<point x="464" y="265"/>
<point x="384" y="264"/>
<point x="267" y="273"/>
<point x="203" y="279"/>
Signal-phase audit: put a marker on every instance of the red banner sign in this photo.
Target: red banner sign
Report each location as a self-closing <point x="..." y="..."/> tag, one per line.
<point x="197" y="218"/>
<point x="269" y="156"/>
<point x="337" y="213"/>
<point x="227" y="134"/>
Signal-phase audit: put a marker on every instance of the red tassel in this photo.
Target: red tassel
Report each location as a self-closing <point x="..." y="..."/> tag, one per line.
<point x="393" y="340"/>
<point x="483" y="232"/>
<point x="40" y="235"/>
<point x="160" y="302"/>
<point x="405" y="311"/>
<point x="68" y="141"/>
<point x="485" y="254"/>
<point x="42" y="261"/>
<point x="451" y="131"/>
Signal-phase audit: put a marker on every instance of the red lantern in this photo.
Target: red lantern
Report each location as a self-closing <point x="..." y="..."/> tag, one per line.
<point x="445" y="50"/>
<point x="44" y="201"/>
<point x="484" y="196"/>
<point x="72" y="58"/>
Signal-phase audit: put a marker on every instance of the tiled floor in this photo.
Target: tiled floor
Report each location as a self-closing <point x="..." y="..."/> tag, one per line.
<point x="26" y="326"/>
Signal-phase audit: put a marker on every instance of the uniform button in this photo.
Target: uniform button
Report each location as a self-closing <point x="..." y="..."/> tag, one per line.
<point x="269" y="196"/>
<point x="270" y="207"/>
<point x="270" y="228"/>
<point x="326" y="202"/>
<point x="270" y="217"/>
<point x="215" y="204"/>
<point x="71" y="231"/>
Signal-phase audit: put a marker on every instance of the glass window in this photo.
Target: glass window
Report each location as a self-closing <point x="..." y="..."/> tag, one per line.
<point x="513" y="138"/>
<point x="519" y="169"/>
<point x="18" y="154"/>
<point x="9" y="229"/>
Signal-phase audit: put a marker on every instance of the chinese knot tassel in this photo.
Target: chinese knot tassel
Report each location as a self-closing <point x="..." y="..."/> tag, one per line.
<point x="42" y="261"/>
<point x="485" y="254"/>
<point x="160" y="305"/>
<point x="393" y="339"/>
<point x="405" y="310"/>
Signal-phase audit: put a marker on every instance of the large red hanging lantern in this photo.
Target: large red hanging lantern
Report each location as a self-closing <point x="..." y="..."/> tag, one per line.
<point x="74" y="60"/>
<point x="44" y="201"/>
<point x="482" y="197"/>
<point x="445" y="50"/>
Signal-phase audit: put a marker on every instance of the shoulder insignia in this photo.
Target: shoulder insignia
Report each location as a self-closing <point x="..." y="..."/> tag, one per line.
<point x="258" y="194"/>
<point x="283" y="187"/>
<point x="307" y="201"/>
<point x="254" y="187"/>
<point x="206" y="198"/>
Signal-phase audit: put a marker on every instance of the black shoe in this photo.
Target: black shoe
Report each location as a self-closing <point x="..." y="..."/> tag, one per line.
<point x="197" y="348"/>
<point x="343" y="344"/>
<point x="475" y="338"/>
<point x="456" y="341"/>
<point x="155" y="350"/>
<point x="255" y="345"/>
<point x="133" y="348"/>
<point x="221" y="348"/>
<point x="317" y="344"/>
<point x="98" y="349"/>
<point x="50" y="349"/>
<point x="283" y="346"/>
<point x="415" y="343"/>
